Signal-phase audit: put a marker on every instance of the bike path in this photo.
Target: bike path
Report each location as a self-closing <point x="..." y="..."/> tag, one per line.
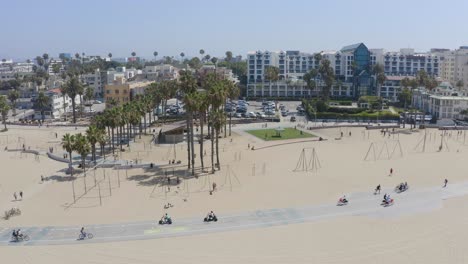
<point x="361" y="204"/>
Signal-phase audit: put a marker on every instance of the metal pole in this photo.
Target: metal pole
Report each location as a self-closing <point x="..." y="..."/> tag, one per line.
<point x="110" y="187"/>
<point x="100" y="198"/>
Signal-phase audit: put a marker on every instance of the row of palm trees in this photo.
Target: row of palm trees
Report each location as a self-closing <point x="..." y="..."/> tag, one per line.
<point x="84" y="144"/>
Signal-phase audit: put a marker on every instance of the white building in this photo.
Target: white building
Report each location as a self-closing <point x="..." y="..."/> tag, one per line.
<point x="408" y="63"/>
<point x="444" y="102"/>
<point x="96" y="81"/>
<point x="161" y="72"/>
<point x="56" y="105"/>
<point x="454" y="66"/>
<point x="9" y="71"/>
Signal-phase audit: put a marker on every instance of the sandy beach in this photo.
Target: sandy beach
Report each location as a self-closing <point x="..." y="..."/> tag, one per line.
<point x="249" y="180"/>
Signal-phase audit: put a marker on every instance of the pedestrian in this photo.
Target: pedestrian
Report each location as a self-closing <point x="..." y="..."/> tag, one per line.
<point x="248" y="146"/>
<point x="14" y="195"/>
<point x="56" y="135"/>
<point x="214" y="186"/>
<point x="377" y="190"/>
<point x="21" y="194"/>
<point x="445" y="183"/>
<point x="42" y="178"/>
<point x="391" y="171"/>
<point x="349" y="133"/>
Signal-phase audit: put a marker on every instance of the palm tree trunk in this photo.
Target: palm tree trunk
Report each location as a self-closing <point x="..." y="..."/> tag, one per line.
<point x="128" y="135"/>
<point x="113" y="147"/>
<point x="144" y="121"/>
<point x="230" y="120"/>
<point x="217" y="150"/>
<point x="121" y="138"/>
<point x="140" y="128"/>
<point x="71" y="164"/>
<point x="73" y="109"/>
<point x="188" y="142"/>
<point x="202" y="116"/>
<point x="64" y="109"/>
<point x="192" y="143"/>
<point x="225" y="129"/>
<point x="212" y="151"/>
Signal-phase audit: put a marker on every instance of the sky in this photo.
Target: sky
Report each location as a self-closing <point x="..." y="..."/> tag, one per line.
<point x="97" y="27"/>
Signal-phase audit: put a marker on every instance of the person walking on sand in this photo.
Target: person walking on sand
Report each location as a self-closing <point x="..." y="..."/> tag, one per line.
<point x="445" y="183"/>
<point x="391" y="172"/>
<point x="21" y="195"/>
<point x="14" y="195"/>
<point x="377" y="189"/>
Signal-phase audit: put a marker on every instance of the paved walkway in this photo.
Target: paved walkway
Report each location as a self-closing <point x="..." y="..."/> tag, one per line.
<point x="362" y="204"/>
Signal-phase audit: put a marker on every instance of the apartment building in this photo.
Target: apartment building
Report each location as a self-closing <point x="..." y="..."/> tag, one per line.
<point x="122" y="91"/>
<point x="11" y="70"/>
<point x="408" y="63"/>
<point x="454" y="66"/>
<point x="96" y="80"/>
<point x="352" y="66"/>
<point x="56" y="108"/>
<point x="160" y="72"/>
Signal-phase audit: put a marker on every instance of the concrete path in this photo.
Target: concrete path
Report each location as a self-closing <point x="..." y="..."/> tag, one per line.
<point x="362" y="204"/>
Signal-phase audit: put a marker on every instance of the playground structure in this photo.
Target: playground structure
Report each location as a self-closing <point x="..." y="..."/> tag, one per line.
<point x="427" y="138"/>
<point x="376" y="149"/>
<point x="308" y="161"/>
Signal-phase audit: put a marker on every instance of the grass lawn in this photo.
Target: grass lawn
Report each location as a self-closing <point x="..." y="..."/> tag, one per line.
<point x="271" y="134"/>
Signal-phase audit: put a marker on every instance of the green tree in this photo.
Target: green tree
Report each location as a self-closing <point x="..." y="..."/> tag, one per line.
<point x="68" y="144"/>
<point x="202" y="52"/>
<point x="228" y="56"/>
<point x="460" y="84"/>
<point x="379" y="74"/>
<point x="109" y="55"/>
<point x="13" y="96"/>
<point x="74" y="88"/>
<point x="42" y="102"/>
<point x="328" y="76"/>
<point x="89" y="96"/>
<point x="195" y="63"/>
<point x="133" y="54"/>
<point x="83" y="148"/>
<point x="155" y="54"/>
<point x="93" y="133"/>
<point x="4" y="109"/>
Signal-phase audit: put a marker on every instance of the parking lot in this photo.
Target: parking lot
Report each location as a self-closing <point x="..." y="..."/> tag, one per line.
<point x="289" y="106"/>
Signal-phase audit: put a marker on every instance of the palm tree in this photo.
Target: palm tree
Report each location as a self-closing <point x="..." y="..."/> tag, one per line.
<point x="63" y="91"/>
<point x="233" y="93"/>
<point x="133" y="54"/>
<point x="218" y="122"/>
<point x="102" y="140"/>
<point x="328" y="76"/>
<point x="68" y="144"/>
<point x="202" y="52"/>
<point x="190" y="105"/>
<point x="88" y="96"/>
<point x="45" y="56"/>
<point x="4" y="109"/>
<point x="92" y="133"/>
<point x="228" y="56"/>
<point x="207" y="57"/>
<point x="182" y="55"/>
<point x="13" y="96"/>
<point x="203" y="104"/>
<point x="155" y="54"/>
<point x="188" y="85"/>
<point x="42" y="102"/>
<point x="73" y="88"/>
<point x="109" y="55"/>
<point x="380" y="77"/>
<point x="82" y="147"/>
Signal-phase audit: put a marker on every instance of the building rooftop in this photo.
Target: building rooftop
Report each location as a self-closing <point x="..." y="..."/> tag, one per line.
<point x="351" y="47"/>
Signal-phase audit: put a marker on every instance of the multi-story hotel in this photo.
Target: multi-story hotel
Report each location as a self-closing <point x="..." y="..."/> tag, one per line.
<point x="352" y="66"/>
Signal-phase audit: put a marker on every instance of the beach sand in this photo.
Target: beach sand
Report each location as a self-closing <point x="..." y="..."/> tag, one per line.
<point x="248" y="180"/>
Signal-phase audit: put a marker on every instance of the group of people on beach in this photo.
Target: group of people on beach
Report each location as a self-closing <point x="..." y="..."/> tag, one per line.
<point x="16" y="196"/>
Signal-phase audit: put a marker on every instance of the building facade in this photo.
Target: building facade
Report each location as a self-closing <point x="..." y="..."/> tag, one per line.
<point x="121" y="91"/>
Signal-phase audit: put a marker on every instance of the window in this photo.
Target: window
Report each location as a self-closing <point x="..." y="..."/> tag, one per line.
<point x="108" y="91"/>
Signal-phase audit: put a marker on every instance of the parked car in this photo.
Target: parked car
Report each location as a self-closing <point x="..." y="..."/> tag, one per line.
<point x="284" y="113"/>
<point x="292" y="119"/>
<point x="97" y="102"/>
<point x="238" y="115"/>
<point x="252" y="115"/>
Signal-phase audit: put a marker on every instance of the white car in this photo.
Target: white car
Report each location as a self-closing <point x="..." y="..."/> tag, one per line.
<point x="252" y="115"/>
<point x="97" y="102"/>
<point x="238" y="115"/>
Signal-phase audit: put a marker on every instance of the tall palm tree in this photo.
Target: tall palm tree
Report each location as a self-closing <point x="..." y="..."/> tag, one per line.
<point x="190" y="105"/>
<point x="92" y="133"/>
<point x="202" y="52"/>
<point x="102" y="140"/>
<point x="42" y="102"/>
<point x="182" y="55"/>
<point x="13" y="96"/>
<point x="188" y="85"/>
<point x="203" y="105"/>
<point x="133" y="54"/>
<point x="68" y="144"/>
<point x="74" y="88"/>
<point x="233" y="93"/>
<point x="82" y="147"/>
<point x="4" y="109"/>
<point x="109" y="55"/>
<point x="218" y="122"/>
<point x="155" y="54"/>
<point x="228" y="56"/>
<point x="88" y="96"/>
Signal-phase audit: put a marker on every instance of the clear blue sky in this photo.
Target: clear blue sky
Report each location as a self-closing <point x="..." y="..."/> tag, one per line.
<point x="32" y="27"/>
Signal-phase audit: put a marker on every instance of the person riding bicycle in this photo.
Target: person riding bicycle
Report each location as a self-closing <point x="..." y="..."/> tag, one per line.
<point x="15" y="234"/>
<point x="343" y="199"/>
<point x="82" y="232"/>
<point x="165" y="218"/>
<point x="211" y="215"/>
<point x="18" y="234"/>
